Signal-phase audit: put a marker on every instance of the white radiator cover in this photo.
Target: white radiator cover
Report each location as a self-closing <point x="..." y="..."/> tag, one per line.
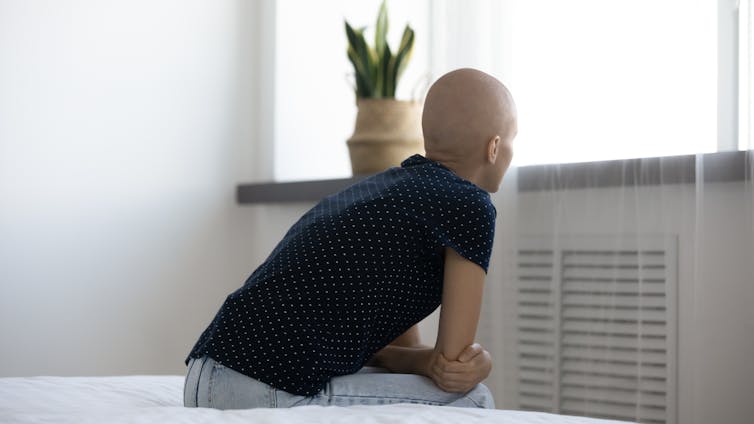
<point x="597" y="325"/>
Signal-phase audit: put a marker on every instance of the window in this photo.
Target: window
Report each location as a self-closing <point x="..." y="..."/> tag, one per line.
<point x="598" y="80"/>
<point x="746" y="72"/>
<point x="593" y="79"/>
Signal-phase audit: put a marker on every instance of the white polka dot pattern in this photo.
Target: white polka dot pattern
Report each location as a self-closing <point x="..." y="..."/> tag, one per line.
<point x="351" y="275"/>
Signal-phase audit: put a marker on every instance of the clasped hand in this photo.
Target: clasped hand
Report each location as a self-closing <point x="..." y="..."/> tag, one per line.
<point x="459" y="376"/>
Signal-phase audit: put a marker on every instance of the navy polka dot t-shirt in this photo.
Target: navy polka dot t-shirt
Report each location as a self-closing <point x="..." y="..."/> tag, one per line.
<point x="352" y="274"/>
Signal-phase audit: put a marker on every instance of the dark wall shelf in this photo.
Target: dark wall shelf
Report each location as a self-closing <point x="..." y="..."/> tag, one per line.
<point x="716" y="167"/>
<point x="296" y="191"/>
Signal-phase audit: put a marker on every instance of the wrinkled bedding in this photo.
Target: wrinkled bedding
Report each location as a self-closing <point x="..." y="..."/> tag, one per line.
<point x="153" y="399"/>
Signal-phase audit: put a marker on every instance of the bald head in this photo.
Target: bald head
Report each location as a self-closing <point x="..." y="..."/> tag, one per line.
<point x="463" y="110"/>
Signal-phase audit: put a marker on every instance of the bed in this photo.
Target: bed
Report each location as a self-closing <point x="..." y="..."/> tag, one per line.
<point x="158" y="399"/>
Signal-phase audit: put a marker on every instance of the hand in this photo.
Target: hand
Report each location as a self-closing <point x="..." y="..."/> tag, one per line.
<point x="472" y="366"/>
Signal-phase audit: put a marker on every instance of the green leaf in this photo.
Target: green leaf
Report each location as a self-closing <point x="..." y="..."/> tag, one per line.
<point x="362" y="90"/>
<point x="387" y="80"/>
<point x="360" y="71"/>
<point x="380" y="33"/>
<point x="377" y="69"/>
<point x="402" y="57"/>
<point x="361" y="58"/>
<point x="375" y="72"/>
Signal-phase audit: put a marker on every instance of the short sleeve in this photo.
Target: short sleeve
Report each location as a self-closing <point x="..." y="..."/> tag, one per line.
<point x="466" y="223"/>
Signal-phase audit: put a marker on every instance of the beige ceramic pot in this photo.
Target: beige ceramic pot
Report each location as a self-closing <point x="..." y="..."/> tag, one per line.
<point x="387" y="131"/>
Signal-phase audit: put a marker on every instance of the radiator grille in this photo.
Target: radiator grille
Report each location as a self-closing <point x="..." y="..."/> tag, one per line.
<point x="596" y="326"/>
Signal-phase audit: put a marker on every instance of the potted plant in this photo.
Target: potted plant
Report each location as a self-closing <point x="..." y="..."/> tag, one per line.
<point x="386" y="130"/>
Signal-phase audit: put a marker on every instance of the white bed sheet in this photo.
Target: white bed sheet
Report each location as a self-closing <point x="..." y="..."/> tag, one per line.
<point x="151" y="399"/>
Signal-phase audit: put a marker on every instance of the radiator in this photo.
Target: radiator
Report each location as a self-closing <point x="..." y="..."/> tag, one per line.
<point x="596" y="329"/>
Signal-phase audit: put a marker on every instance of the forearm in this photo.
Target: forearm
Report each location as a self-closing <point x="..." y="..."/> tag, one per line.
<point x="403" y="359"/>
<point x="462" y="291"/>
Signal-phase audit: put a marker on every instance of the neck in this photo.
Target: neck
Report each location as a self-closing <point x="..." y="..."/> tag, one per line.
<point x="459" y="169"/>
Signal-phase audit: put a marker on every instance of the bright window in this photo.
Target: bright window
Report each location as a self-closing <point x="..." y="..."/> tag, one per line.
<point x="746" y="72"/>
<point x="593" y="79"/>
<point x="599" y="80"/>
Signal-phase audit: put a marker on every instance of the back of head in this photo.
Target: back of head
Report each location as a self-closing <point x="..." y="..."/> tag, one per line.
<point x="463" y="110"/>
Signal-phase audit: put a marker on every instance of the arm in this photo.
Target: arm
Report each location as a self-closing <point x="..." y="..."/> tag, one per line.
<point x="462" y="291"/>
<point x="456" y="364"/>
<point x="473" y="365"/>
<point x="406" y="354"/>
<point x="461" y="302"/>
<point x="462" y="297"/>
<point x="410" y="338"/>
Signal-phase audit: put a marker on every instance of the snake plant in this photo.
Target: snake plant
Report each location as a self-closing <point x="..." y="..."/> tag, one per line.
<point x="377" y="67"/>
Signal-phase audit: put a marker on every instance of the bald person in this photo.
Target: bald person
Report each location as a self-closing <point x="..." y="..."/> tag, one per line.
<point x="330" y="317"/>
<point x="469" y="122"/>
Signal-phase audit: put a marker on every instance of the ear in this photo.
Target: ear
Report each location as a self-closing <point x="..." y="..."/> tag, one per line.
<point x="492" y="148"/>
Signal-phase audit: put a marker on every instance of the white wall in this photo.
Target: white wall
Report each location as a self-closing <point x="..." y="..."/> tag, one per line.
<point x="124" y="129"/>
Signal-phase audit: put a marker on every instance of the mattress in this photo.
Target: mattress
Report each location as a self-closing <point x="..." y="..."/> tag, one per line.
<point x="156" y="399"/>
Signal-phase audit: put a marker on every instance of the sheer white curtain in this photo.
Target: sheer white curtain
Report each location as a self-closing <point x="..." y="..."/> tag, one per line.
<point x="620" y="288"/>
<point x="624" y="289"/>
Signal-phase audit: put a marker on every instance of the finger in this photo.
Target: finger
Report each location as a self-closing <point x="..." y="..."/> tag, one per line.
<point x="460" y="386"/>
<point x="470" y="352"/>
<point x="483" y="362"/>
<point x="460" y="367"/>
<point x="443" y="375"/>
<point x="482" y="358"/>
<point x="446" y="387"/>
<point x="457" y="388"/>
<point x="457" y="384"/>
<point x="445" y="365"/>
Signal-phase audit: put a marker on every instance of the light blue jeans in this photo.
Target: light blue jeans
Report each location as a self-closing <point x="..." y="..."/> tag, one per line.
<point x="210" y="384"/>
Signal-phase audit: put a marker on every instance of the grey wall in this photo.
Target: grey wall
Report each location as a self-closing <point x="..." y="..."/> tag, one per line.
<point x="714" y="223"/>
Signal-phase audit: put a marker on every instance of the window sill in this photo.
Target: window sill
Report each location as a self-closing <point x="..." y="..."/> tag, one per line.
<point x="717" y="167"/>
